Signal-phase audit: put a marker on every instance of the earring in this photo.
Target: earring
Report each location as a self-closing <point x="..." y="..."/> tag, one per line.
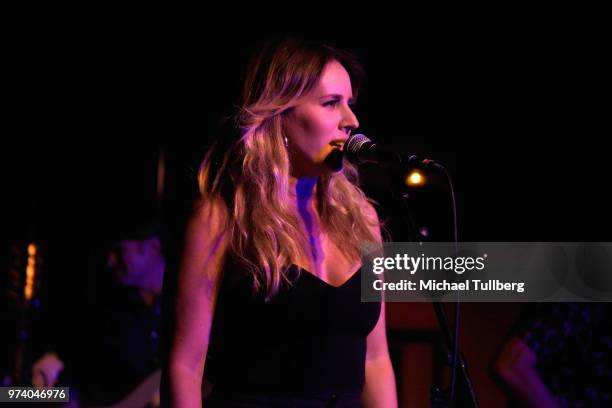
<point x="286" y="142"/>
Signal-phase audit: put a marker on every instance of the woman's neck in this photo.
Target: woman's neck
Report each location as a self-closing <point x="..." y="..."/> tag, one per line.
<point x="304" y="191"/>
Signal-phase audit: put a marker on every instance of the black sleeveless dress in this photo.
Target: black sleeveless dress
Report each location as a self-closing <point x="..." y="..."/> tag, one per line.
<point x="305" y="347"/>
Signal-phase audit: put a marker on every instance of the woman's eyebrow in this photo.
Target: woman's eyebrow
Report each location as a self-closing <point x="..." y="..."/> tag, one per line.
<point x="337" y="96"/>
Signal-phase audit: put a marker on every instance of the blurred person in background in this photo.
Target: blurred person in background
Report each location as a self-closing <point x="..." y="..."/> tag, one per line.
<point x="559" y="355"/>
<point x="113" y="353"/>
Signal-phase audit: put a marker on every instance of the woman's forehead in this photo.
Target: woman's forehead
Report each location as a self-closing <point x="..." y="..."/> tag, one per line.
<point x="334" y="80"/>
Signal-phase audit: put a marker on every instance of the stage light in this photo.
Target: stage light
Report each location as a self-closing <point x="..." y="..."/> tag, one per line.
<point x="415" y="178"/>
<point x="28" y="290"/>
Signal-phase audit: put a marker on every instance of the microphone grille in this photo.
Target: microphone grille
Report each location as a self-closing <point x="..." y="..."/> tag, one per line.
<point x="354" y="143"/>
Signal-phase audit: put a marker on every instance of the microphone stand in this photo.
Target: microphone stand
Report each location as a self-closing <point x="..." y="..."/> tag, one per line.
<point x="466" y="397"/>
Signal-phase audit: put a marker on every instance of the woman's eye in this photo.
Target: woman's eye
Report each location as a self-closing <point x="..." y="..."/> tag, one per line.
<point x="331" y="103"/>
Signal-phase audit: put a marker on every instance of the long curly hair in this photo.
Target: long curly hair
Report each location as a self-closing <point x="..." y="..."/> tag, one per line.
<point x="250" y="176"/>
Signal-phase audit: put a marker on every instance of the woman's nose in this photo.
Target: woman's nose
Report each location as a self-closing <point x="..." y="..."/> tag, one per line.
<point x="349" y="120"/>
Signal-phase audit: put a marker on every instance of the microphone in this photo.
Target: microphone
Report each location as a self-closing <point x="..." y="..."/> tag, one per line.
<point x="359" y="149"/>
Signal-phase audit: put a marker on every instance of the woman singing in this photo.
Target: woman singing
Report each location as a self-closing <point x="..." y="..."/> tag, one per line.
<point x="269" y="306"/>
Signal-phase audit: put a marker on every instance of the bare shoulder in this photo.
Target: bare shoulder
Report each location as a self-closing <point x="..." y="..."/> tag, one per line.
<point x="370" y="211"/>
<point x="206" y="239"/>
<point x="210" y="214"/>
<point x="199" y="276"/>
<point x="373" y="221"/>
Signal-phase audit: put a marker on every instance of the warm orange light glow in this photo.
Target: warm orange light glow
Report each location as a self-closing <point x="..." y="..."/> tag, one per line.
<point x="415" y="178"/>
<point x="28" y="289"/>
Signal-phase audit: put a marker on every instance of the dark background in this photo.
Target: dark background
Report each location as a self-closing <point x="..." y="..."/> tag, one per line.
<point x="510" y="100"/>
<point x="507" y="100"/>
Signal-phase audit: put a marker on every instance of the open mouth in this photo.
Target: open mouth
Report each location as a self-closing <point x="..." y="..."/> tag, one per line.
<point x="338" y="144"/>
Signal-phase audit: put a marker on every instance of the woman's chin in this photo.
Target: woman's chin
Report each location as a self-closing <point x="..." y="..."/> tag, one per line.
<point x="334" y="161"/>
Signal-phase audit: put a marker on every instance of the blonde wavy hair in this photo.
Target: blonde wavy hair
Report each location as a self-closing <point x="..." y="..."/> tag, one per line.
<point x="251" y="176"/>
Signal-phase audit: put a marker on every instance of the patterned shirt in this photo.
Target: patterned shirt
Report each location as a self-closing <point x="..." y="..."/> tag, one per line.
<point x="573" y="345"/>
